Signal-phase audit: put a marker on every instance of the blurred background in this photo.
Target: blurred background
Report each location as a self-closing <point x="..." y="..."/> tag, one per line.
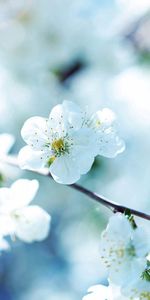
<point x="97" y="54"/>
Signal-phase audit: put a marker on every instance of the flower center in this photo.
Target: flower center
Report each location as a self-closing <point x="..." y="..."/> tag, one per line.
<point x="60" y="147"/>
<point x="98" y="123"/>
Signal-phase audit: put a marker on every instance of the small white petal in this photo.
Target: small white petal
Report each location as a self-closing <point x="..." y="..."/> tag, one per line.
<point x="30" y="159"/>
<point x="85" y="163"/>
<point x="108" y="140"/>
<point x="23" y="191"/>
<point x="34" y="132"/>
<point x="84" y="142"/>
<point x="64" y="170"/>
<point x="116" y="223"/>
<point x="110" y="145"/>
<point x="65" y="116"/>
<point x="32" y="224"/>
<point x="103" y="118"/>
<point x="75" y="115"/>
<point x="57" y="121"/>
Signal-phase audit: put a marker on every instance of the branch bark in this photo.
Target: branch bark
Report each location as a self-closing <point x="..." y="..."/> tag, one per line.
<point x="113" y="206"/>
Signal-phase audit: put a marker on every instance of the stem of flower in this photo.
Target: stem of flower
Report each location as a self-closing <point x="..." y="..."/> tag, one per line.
<point x="113" y="206"/>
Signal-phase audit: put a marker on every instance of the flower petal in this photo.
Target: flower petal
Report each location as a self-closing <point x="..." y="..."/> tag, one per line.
<point x="32" y="224"/>
<point x="109" y="143"/>
<point x="103" y="118"/>
<point x="34" y="132"/>
<point x="30" y="159"/>
<point x="85" y="163"/>
<point x="57" y="121"/>
<point x="64" y="170"/>
<point x="65" y="117"/>
<point x="23" y="191"/>
<point x="85" y="142"/>
<point x="75" y="115"/>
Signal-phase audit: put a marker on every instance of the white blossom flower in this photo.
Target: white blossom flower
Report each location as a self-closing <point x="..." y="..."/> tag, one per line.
<point x="68" y="141"/>
<point x="28" y="223"/>
<point x="104" y="124"/>
<point x="60" y="143"/>
<point x="101" y="292"/>
<point x="124" y="249"/>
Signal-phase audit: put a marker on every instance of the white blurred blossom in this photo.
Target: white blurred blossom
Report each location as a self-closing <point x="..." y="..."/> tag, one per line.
<point x="124" y="249"/>
<point x="30" y="28"/>
<point x="28" y="223"/>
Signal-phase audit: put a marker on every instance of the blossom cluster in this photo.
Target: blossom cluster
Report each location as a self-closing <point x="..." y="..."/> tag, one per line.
<point x="18" y="219"/>
<point x="124" y="250"/>
<point x="68" y="141"/>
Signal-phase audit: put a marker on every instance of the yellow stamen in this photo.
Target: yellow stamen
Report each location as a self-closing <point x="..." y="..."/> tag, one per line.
<point x="58" y="145"/>
<point x="98" y="123"/>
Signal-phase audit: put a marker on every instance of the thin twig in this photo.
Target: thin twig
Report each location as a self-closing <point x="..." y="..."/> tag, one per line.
<point x="113" y="206"/>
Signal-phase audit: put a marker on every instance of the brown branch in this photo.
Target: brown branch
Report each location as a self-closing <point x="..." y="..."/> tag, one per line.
<point x="113" y="206"/>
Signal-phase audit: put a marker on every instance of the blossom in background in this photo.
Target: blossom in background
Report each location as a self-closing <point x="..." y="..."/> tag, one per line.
<point x="123" y="250"/>
<point x="101" y="292"/>
<point x="28" y="223"/>
<point x="67" y="142"/>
